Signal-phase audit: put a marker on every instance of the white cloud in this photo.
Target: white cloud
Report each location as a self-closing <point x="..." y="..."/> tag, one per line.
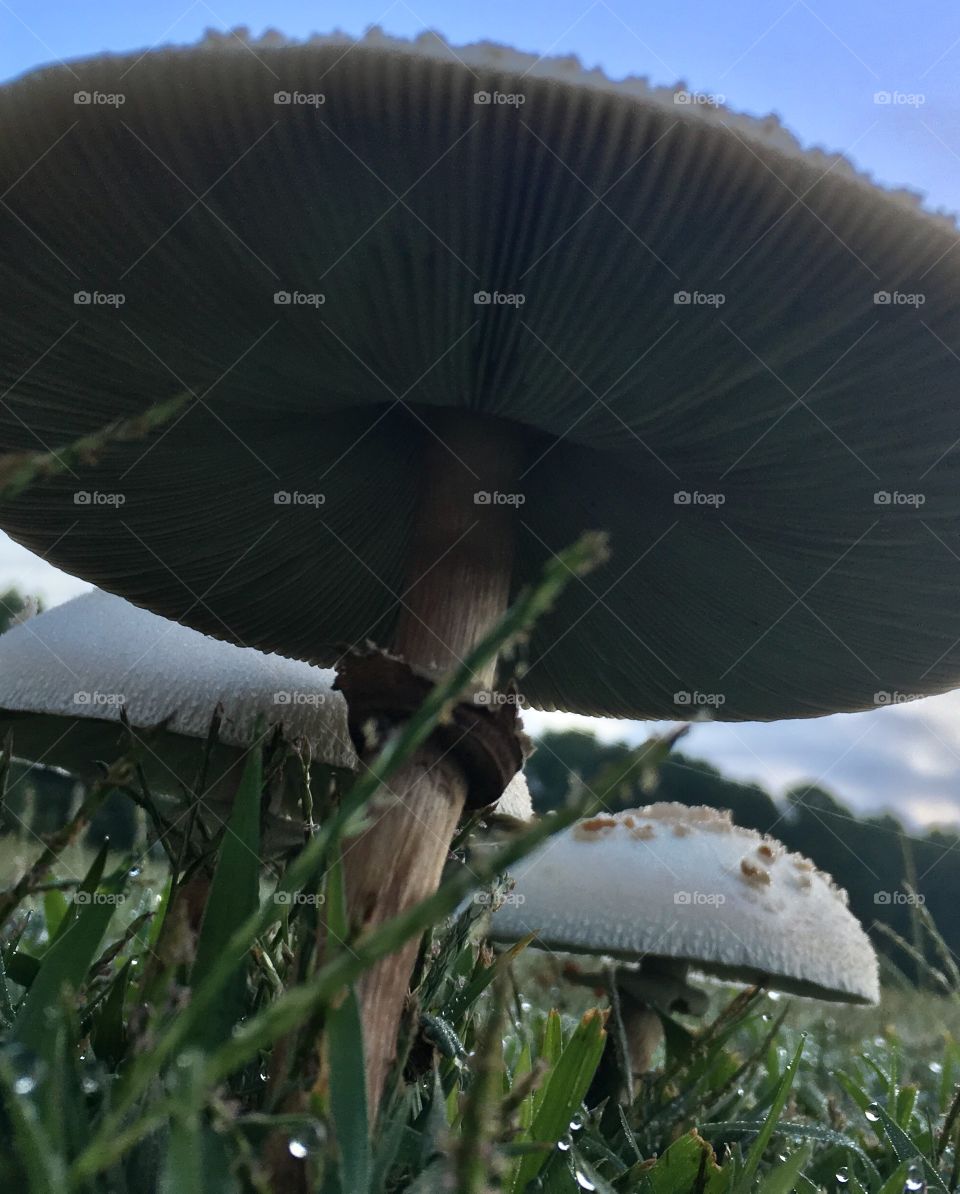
<point x="33" y="575"/>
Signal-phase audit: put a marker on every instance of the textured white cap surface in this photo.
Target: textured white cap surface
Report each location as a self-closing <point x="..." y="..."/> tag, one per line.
<point x="676" y="882"/>
<point x="97" y="653"/>
<point x="91" y="656"/>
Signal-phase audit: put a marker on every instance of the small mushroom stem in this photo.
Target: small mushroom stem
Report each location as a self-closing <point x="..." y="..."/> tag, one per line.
<point x="638" y="998"/>
<point x="458" y="587"/>
<point x="643" y="1029"/>
<point x="633" y="1037"/>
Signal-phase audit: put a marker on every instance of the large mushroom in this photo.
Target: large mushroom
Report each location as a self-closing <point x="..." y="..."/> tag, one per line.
<point x="440" y="310"/>
<point x="668" y="889"/>
<point x="67" y="675"/>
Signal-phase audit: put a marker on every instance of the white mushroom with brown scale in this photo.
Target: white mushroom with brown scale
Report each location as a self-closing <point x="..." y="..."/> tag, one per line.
<point x="670" y="889"/>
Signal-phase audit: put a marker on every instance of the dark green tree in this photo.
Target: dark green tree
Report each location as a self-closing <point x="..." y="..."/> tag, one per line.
<point x="14" y="605"/>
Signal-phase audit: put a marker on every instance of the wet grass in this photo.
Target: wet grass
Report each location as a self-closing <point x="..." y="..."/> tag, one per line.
<point x="143" y="1048"/>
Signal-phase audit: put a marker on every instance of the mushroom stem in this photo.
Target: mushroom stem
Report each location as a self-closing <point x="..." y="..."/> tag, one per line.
<point x="633" y="1038"/>
<point x="462" y="552"/>
<point x="639" y="997"/>
<point x="458" y="586"/>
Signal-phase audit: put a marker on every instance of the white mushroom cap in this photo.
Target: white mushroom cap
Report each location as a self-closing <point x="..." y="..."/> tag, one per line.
<point x="515" y="801"/>
<point x="668" y="881"/>
<point x="97" y="654"/>
<point x="90" y="657"/>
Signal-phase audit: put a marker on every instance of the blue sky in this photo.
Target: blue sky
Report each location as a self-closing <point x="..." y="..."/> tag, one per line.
<point x="819" y="67"/>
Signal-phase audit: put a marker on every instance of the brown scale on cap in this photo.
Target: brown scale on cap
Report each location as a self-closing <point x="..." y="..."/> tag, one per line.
<point x="786" y="926"/>
<point x="754" y="874"/>
<point x="595" y="825"/>
<point x="713" y="819"/>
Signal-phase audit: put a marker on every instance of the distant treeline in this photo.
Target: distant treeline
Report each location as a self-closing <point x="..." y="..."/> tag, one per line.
<point x="874" y="858"/>
<point x="38" y="800"/>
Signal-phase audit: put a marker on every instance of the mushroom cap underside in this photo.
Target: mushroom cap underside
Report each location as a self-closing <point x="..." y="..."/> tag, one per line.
<point x="679" y="313"/>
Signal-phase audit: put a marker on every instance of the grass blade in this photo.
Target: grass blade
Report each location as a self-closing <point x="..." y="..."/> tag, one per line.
<point x="563" y="1093"/>
<point x="65" y="964"/>
<point x="344" y="1039"/>
<point x="769" y="1124"/>
<point x="234" y="896"/>
<point x="906" y="1151"/>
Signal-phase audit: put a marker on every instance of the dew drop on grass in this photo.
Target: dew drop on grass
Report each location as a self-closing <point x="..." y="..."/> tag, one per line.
<point x="583" y="1181"/>
<point x="935" y="1067"/>
<point x="872" y="1113"/>
<point x="28" y="1068"/>
<point x="297" y="1148"/>
<point x="576" y="1123"/>
<point x="914" y="1180"/>
<point x="843" y="1175"/>
<point x="564" y="1144"/>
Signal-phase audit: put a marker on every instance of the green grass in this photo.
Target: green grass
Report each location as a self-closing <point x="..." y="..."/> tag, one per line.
<point x="137" y="1054"/>
<point x="493" y="1092"/>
